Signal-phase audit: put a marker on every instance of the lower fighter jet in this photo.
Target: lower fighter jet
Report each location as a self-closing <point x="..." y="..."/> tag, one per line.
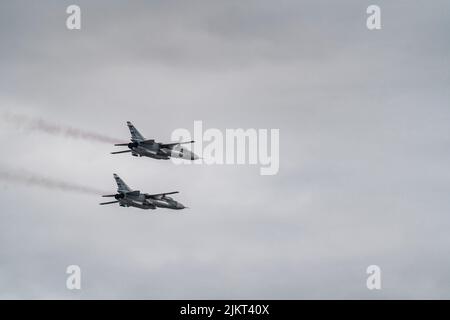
<point x="127" y="197"/>
<point x="140" y="147"/>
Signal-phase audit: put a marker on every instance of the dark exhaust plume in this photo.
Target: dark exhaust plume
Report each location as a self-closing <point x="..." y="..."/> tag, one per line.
<point x="38" y="124"/>
<point x="27" y="178"/>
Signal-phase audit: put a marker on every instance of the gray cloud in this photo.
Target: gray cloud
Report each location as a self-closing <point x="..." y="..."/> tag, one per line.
<point x="363" y="119"/>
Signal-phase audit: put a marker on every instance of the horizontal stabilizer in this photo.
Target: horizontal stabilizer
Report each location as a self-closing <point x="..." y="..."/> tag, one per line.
<point x="103" y="203"/>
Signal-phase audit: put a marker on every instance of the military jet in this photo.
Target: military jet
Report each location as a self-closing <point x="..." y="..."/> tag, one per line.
<point x="127" y="197"/>
<point x="140" y="147"/>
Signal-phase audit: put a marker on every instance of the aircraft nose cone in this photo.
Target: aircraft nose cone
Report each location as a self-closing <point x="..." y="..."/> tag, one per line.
<point x="180" y="206"/>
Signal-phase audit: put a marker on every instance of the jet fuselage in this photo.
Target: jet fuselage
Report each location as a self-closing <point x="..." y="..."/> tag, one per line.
<point x="142" y="202"/>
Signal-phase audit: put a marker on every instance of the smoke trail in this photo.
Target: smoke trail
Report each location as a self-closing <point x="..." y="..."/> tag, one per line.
<point x="40" y="181"/>
<point x="38" y="124"/>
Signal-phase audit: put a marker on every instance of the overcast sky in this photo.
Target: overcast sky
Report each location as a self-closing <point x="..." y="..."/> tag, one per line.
<point x="364" y="149"/>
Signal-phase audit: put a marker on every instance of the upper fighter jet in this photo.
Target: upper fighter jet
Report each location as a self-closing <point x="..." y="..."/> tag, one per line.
<point x="139" y="146"/>
<point x="127" y="197"/>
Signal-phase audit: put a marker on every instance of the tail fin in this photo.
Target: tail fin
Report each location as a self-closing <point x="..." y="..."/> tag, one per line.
<point x="135" y="134"/>
<point x="121" y="185"/>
